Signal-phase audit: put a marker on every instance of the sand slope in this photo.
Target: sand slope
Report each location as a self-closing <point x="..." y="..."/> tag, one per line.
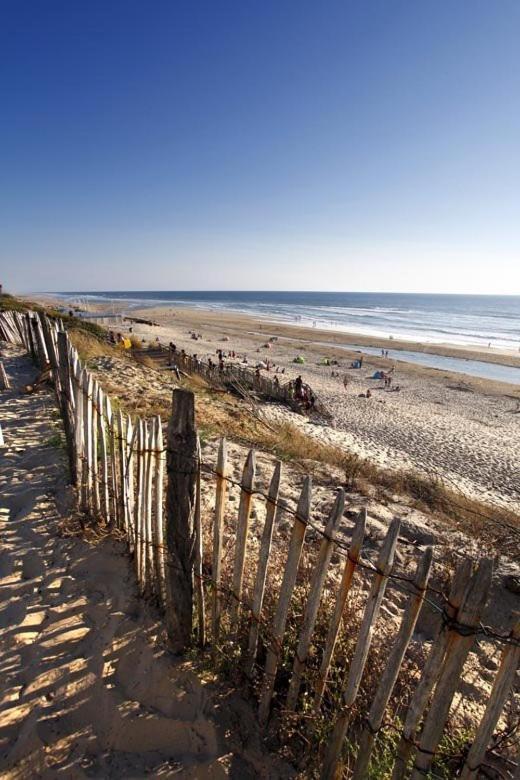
<point x="86" y="686"/>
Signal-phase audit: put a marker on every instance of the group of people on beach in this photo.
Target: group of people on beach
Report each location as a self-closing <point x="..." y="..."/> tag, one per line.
<point x="296" y="390"/>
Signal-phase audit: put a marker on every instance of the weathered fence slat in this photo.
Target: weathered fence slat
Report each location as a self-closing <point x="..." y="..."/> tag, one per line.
<point x="313" y="602"/>
<point x="182" y="466"/>
<point x="377" y="591"/>
<point x="502" y="686"/>
<point x="114" y="481"/>
<point x="103" y="455"/>
<point x="148" y="525"/>
<point x="395" y="659"/>
<point x="87" y="439"/>
<point x="129" y="480"/>
<point x="95" y="474"/>
<point x="456" y="654"/>
<point x="431" y="672"/>
<point x="159" y="515"/>
<point x="354" y="553"/>
<point x="4" y="380"/>
<point x="199" y="585"/>
<point x="218" y="533"/>
<point x="284" y="599"/>
<point x="139" y="513"/>
<point x="120" y="438"/>
<point x="66" y="401"/>
<point x="78" y="425"/>
<point x="261" y="574"/>
<point x="244" y="513"/>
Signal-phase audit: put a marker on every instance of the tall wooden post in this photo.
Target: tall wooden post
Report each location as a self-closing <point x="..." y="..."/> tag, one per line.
<point x="182" y="467"/>
<point x="67" y="402"/>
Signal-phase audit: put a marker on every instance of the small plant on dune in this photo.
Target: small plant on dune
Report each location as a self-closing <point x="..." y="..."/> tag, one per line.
<point x="55" y="440"/>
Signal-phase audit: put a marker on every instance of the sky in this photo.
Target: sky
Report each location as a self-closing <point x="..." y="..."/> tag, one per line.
<point x="270" y="145"/>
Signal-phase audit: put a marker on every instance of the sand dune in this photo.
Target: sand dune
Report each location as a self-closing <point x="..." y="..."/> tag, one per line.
<point x="87" y="688"/>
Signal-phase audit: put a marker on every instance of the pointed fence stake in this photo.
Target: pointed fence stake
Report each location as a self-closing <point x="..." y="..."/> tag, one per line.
<point x="284" y="599"/>
<point x="218" y="534"/>
<point x="395" y="659"/>
<point x="244" y="513"/>
<point x="354" y="553"/>
<point x="377" y="591"/>
<point x="313" y="602"/>
<point x="261" y="574"/>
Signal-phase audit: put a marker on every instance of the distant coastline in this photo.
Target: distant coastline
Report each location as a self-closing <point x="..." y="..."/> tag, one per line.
<point x="492" y="364"/>
<point x="457" y="320"/>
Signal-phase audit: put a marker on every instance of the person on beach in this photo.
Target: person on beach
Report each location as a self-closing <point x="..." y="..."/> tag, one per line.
<point x="345" y="382"/>
<point x="298" y="386"/>
<point x="368" y="393"/>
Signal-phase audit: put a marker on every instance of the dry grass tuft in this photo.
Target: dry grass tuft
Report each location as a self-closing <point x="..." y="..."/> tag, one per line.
<point x="89" y="346"/>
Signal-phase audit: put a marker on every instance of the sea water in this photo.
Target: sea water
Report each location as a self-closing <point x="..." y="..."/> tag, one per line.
<point x="478" y="320"/>
<point x="470" y="320"/>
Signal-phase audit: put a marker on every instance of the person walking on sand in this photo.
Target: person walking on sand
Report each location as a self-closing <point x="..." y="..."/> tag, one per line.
<point x="298" y="386"/>
<point x="345" y="382"/>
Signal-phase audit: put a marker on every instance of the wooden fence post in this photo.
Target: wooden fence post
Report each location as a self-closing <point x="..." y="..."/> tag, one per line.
<point x="112" y="444"/>
<point x="103" y="454"/>
<point x="313" y="602"/>
<point x="218" y="532"/>
<point x="244" y="512"/>
<point x="430" y="673"/>
<point x="77" y="379"/>
<point x="261" y="574"/>
<point x="158" y="530"/>
<point x="395" y="659"/>
<point x="182" y="467"/>
<point x="358" y="535"/>
<point x="129" y="480"/>
<point x="284" y="599"/>
<point x="148" y="508"/>
<point x="199" y="585"/>
<point x="95" y="473"/>
<point x="29" y="336"/>
<point x="40" y="344"/>
<point x="120" y="435"/>
<point x="67" y="402"/>
<point x="377" y="591"/>
<point x="87" y="440"/>
<point x="47" y="329"/>
<point x="456" y="655"/>
<point x="502" y="685"/>
<point x="140" y="558"/>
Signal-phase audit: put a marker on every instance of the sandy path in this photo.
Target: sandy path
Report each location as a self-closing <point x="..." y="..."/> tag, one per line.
<point x="86" y="686"/>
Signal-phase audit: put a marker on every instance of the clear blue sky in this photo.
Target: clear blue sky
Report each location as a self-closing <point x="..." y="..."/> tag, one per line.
<point x="260" y="145"/>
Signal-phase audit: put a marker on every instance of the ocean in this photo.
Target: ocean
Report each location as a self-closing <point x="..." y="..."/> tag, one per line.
<point x="477" y="320"/>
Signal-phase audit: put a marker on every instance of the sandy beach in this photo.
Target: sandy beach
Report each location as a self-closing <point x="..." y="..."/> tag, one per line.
<point x="464" y="430"/>
<point x="72" y="593"/>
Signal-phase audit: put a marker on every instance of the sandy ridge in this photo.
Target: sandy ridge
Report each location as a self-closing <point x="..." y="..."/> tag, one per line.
<point x="87" y="688"/>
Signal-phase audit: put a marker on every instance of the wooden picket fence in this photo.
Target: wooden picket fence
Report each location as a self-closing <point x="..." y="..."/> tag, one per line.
<point x="242" y="379"/>
<point x="298" y="617"/>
